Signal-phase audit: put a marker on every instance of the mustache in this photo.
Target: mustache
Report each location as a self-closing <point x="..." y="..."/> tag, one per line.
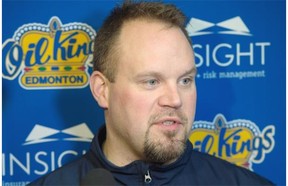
<point x="170" y="113"/>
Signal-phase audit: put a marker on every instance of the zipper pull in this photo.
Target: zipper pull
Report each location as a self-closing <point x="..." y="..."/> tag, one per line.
<point x="147" y="178"/>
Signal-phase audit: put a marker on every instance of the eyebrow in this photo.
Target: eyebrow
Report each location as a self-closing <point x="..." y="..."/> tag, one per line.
<point x="192" y="71"/>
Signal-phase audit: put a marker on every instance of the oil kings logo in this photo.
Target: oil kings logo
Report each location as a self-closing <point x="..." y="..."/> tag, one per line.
<point x="238" y="141"/>
<point x="238" y="49"/>
<point x="49" y="56"/>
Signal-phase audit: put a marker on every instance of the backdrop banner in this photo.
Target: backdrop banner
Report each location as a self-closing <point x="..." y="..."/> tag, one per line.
<point x="50" y="116"/>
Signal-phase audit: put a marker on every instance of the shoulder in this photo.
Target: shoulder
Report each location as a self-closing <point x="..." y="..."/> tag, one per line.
<point x="69" y="174"/>
<point x="224" y="172"/>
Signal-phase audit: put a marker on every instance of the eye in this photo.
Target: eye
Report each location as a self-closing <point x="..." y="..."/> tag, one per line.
<point x="151" y="83"/>
<point x="186" y="81"/>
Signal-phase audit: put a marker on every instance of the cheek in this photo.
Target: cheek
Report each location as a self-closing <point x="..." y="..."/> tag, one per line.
<point x="133" y="105"/>
<point x="190" y="105"/>
<point x="193" y="100"/>
<point x="189" y="97"/>
<point x="136" y="109"/>
<point x="139" y="105"/>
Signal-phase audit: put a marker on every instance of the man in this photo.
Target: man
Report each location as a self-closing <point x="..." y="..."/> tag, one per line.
<point x="144" y="79"/>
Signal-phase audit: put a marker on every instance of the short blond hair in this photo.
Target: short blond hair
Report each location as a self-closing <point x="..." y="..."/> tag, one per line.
<point x="105" y="47"/>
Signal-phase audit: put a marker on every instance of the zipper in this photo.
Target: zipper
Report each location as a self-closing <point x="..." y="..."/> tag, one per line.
<point x="147" y="178"/>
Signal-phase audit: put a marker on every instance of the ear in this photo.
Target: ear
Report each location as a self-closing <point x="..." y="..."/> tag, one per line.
<point x="99" y="88"/>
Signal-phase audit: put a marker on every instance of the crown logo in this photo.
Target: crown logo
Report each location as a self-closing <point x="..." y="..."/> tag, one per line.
<point x="50" y="56"/>
<point x="238" y="141"/>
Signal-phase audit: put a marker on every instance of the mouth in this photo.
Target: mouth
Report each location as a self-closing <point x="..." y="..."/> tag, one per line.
<point x="169" y="123"/>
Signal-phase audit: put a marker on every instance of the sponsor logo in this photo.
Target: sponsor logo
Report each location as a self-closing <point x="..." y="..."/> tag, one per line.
<point x="232" y="59"/>
<point x="234" y="26"/>
<point x="49" y="56"/>
<point x="238" y="141"/>
<point x="42" y="134"/>
<point x="37" y="162"/>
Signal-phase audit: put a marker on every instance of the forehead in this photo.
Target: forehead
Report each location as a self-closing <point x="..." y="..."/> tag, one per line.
<point x="146" y="45"/>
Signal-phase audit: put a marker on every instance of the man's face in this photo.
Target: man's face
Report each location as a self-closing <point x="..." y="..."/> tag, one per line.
<point x="151" y="104"/>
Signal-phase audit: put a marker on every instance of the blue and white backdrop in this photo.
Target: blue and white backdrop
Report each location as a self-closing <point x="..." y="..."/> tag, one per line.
<point x="49" y="115"/>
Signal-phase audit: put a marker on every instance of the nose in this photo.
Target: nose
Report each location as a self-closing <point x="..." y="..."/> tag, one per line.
<point x="170" y="97"/>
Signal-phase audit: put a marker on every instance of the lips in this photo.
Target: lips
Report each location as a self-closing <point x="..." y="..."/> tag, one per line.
<point x="168" y="121"/>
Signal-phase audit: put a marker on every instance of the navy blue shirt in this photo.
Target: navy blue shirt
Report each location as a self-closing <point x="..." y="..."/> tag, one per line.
<point x="191" y="168"/>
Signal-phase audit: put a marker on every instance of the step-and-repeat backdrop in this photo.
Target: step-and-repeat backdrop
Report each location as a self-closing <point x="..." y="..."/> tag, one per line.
<point x="50" y="116"/>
